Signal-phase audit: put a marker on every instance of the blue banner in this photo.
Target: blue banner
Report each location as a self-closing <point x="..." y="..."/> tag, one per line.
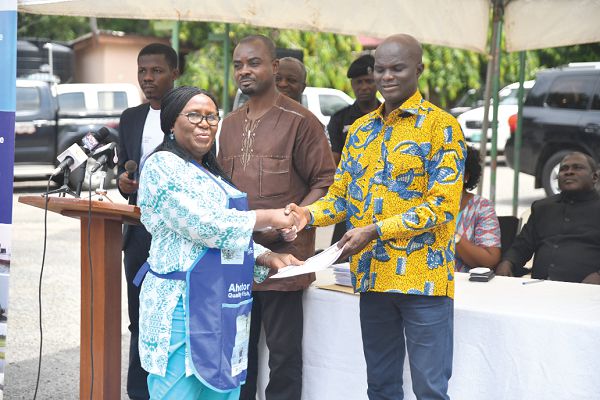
<point x="7" y="147"/>
<point x="8" y="74"/>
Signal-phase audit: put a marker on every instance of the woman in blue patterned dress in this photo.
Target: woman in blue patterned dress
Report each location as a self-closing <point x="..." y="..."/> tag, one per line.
<point x="196" y="295"/>
<point x="477" y="235"/>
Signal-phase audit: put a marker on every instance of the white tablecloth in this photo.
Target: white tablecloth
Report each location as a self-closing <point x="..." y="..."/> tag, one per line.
<point x="511" y="341"/>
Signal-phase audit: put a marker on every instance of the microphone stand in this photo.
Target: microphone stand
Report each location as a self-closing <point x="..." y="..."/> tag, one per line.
<point x="101" y="191"/>
<point x="83" y="172"/>
<point x="64" y="189"/>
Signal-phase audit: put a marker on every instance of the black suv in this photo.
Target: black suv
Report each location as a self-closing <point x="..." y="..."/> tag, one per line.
<point x="561" y="114"/>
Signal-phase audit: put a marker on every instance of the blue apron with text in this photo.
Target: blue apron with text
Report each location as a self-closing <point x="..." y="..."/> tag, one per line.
<point x="219" y="301"/>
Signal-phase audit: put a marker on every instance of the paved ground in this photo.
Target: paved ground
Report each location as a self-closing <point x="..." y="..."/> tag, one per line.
<point x="60" y="291"/>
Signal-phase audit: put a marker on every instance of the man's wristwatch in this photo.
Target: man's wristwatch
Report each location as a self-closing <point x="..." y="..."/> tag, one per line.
<point x="457" y="238"/>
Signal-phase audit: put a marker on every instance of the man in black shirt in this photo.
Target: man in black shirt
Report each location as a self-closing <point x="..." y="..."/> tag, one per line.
<point x="363" y="85"/>
<point x="563" y="230"/>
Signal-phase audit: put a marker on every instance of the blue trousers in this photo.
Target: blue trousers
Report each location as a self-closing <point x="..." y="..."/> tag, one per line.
<point x="175" y="385"/>
<point x="391" y="322"/>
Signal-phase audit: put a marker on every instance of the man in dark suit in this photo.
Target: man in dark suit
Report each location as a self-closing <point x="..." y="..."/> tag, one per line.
<point x="140" y="133"/>
<point x="563" y="231"/>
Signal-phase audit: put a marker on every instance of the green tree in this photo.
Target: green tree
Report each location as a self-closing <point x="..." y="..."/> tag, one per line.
<point x="326" y="56"/>
<point x="448" y="72"/>
<point x="556" y="56"/>
<point x="51" y="27"/>
<point x="61" y="28"/>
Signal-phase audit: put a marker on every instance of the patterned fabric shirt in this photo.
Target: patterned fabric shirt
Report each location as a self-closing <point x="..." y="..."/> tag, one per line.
<point x="185" y="211"/>
<point x="479" y="224"/>
<point x="403" y="173"/>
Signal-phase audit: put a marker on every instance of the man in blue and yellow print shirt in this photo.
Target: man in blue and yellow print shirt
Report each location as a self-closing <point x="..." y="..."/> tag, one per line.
<point x="398" y="188"/>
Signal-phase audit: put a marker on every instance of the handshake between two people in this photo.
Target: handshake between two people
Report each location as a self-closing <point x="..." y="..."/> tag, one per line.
<point x="285" y="223"/>
<point x="272" y="225"/>
<point x="294" y="218"/>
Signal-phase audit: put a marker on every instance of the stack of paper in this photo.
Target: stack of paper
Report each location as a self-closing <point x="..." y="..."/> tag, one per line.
<point x="318" y="262"/>
<point x="341" y="273"/>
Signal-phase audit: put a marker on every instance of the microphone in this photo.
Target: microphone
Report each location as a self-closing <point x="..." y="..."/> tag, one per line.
<point x="71" y="158"/>
<point x="103" y="156"/>
<point x="92" y="140"/>
<point x="130" y="167"/>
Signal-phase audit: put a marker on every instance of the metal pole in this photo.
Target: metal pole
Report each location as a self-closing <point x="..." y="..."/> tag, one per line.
<point x="225" y="103"/>
<point x="495" y="89"/>
<point x="50" y="60"/>
<point x="487" y="94"/>
<point x="175" y="39"/>
<point x="94" y="27"/>
<point x="518" y="134"/>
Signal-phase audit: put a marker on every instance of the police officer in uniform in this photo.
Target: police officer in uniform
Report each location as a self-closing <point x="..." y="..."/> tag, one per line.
<point x="363" y="85"/>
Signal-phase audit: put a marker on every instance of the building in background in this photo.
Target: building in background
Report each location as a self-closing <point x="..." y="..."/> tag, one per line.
<point x="109" y="56"/>
<point x="104" y="57"/>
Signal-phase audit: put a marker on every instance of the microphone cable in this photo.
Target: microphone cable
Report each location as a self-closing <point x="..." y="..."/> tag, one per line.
<point x="39" y="368"/>
<point x="89" y="251"/>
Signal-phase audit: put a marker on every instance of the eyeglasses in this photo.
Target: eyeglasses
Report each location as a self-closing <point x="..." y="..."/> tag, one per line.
<point x="196" y="118"/>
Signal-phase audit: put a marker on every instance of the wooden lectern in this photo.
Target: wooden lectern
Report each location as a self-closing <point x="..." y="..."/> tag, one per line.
<point x="104" y="315"/>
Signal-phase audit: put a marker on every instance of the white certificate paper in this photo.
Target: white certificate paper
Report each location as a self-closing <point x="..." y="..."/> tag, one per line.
<point x="318" y="262"/>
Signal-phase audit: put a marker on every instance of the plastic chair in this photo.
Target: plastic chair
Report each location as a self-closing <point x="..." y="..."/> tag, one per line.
<point x="509" y="228"/>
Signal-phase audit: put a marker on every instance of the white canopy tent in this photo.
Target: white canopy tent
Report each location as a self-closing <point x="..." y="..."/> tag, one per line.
<point x="529" y="24"/>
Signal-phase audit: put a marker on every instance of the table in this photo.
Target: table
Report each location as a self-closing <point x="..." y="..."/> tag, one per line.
<point x="511" y="341"/>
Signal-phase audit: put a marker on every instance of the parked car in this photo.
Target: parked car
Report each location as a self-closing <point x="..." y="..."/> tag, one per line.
<point x="50" y="118"/>
<point x="561" y="114"/>
<point x="469" y="100"/>
<point x="471" y="121"/>
<point x="92" y="98"/>
<point x="323" y="102"/>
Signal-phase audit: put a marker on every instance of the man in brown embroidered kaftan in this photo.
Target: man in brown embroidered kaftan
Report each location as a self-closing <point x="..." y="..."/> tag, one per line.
<point x="274" y="150"/>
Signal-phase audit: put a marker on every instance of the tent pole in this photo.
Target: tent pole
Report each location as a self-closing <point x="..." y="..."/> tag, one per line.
<point x="496" y="16"/>
<point x="494" y="139"/>
<point x="175" y="39"/>
<point x="224" y="37"/>
<point x="225" y="102"/>
<point x="175" y="36"/>
<point x="518" y="134"/>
